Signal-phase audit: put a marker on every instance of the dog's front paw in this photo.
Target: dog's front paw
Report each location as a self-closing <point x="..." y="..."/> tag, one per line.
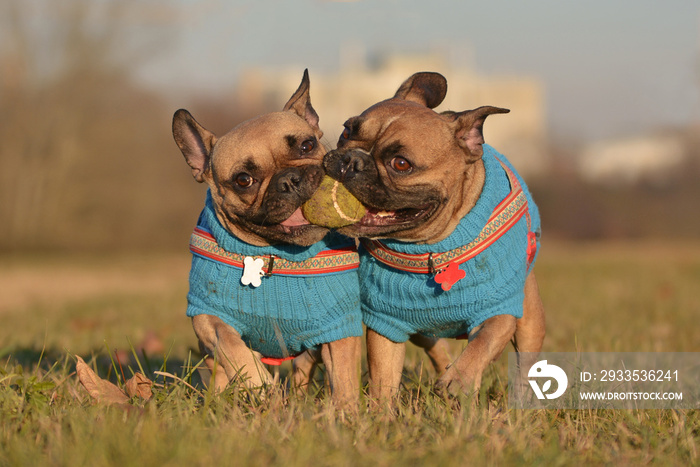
<point x="452" y="384"/>
<point x="449" y="384"/>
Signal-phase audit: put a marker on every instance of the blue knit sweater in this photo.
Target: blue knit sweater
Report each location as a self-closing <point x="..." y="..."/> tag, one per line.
<point x="397" y="304"/>
<point x="286" y="314"/>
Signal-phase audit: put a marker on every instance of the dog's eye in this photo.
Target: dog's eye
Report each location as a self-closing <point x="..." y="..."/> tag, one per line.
<point x="400" y="164"/>
<point x="244" y="180"/>
<point x="346" y="132"/>
<point x="308" y="146"/>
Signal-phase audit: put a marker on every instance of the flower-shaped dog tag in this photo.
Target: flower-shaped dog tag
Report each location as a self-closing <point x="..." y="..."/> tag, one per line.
<point x="252" y="271"/>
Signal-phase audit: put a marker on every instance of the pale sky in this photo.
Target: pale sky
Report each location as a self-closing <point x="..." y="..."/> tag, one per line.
<point x="610" y="67"/>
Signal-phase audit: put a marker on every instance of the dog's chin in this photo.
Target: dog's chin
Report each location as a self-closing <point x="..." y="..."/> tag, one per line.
<point x="381" y="223"/>
<point x="295" y="230"/>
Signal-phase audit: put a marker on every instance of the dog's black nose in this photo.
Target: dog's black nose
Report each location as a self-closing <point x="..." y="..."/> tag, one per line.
<point x="288" y="181"/>
<point x="344" y="165"/>
<point x="352" y="163"/>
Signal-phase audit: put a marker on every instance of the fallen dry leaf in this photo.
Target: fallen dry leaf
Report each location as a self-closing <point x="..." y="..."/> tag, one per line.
<point x="139" y="385"/>
<point x="99" y="389"/>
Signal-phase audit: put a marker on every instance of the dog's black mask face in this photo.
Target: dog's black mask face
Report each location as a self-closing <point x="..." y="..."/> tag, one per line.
<point x="286" y="192"/>
<point x="411" y="167"/>
<point x="389" y="209"/>
<point x="256" y="195"/>
<point x="261" y="172"/>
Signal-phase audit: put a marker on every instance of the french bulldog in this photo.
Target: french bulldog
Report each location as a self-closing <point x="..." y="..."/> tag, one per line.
<point x="260" y="282"/>
<point x="448" y="240"/>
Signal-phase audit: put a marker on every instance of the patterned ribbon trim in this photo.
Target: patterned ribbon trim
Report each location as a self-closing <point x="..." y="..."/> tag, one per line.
<point x="506" y="214"/>
<point x="203" y="243"/>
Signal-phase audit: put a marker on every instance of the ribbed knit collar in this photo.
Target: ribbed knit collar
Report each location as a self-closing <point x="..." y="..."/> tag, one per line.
<point x="232" y="244"/>
<point x="496" y="187"/>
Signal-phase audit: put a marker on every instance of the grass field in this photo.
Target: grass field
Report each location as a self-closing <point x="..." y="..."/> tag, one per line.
<point x="598" y="297"/>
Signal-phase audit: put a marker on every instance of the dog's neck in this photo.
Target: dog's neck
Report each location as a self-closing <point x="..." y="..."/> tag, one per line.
<point x="473" y="186"/>
<point x="475" y="177"/>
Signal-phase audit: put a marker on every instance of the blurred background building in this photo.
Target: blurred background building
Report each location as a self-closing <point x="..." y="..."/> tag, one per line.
<point x="358" y="84"/>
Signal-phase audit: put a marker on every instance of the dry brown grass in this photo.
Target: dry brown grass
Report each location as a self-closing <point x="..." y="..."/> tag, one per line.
<point x="599" y="297"/>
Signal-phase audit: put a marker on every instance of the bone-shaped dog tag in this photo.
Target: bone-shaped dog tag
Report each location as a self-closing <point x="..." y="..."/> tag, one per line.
<point x="448" y="276"/>
<point x="252" y="271"/>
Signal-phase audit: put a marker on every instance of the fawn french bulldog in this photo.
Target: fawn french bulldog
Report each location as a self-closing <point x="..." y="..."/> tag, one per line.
<point x="264" y="281"/>
<point x="448" y="239"/>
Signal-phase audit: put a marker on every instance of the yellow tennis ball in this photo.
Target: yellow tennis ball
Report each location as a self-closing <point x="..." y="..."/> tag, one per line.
<point x="333" y="206"/>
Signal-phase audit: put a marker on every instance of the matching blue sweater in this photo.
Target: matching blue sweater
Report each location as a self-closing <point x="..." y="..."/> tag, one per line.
<point x="397" y="304"/>
<point x="286" y="314"/>
<point x="289" y="314"/>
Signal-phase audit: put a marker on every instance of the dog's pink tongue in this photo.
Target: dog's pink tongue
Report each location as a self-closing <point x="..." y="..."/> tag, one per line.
<point x="297" y="218"/>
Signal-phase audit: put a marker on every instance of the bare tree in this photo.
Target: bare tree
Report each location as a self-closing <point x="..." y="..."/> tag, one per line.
<point x="63" y="91"/>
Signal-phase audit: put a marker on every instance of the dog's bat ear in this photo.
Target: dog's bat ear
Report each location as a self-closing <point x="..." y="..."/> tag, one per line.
<point x="426" y="88"/>
<point x="300" y="102"/>
<point x="469" y="128"/>
<point x="194" y="141"/>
